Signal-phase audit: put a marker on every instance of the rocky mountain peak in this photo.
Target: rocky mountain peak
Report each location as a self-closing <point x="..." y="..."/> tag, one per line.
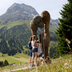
<point x="21" y="8"/>
<point x="18" y="12"/>
<point x="21" y="12"/>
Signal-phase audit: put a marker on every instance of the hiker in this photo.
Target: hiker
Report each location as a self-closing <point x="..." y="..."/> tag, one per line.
<point x="34" y="50"/>
<point x="30" y="50"/>
<point x="40" y="50"/>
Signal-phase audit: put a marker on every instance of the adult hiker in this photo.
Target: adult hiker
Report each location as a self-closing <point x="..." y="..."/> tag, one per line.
<point x="34" y="50"/>
<point x="30" y="50"/>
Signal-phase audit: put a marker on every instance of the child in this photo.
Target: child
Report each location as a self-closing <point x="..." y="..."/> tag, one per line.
<point x="40" y="50"/>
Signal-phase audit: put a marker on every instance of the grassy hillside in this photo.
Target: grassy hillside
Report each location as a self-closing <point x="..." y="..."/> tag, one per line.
<point x="14" y="23"/>
<point x="62" y="64"/>
<point x="18" y="58"/>
<point x="15" y="35"/>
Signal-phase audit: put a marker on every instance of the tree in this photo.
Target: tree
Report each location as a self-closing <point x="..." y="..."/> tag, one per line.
<point x="6" y="63"/>
<point x="1" y="63"/>
<point x="64" y="30"/>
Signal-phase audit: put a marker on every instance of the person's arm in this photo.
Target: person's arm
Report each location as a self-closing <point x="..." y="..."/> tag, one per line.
<point x="35" y="44"/>
<point x="31" y="44"/>
<point x="41" y="48"/>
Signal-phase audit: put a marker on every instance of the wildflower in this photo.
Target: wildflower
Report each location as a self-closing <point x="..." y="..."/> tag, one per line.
<point x="69" y="61"/>
<point x="65" y="64"/>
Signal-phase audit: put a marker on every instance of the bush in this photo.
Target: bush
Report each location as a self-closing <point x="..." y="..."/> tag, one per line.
<point x="5" y="63"/>
<point x="1" y="63"/>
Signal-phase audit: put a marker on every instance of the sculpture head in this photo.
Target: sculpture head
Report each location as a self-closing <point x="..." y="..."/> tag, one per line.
<point x="38" y="21"/>
<point x="33" y="25"/>
<point x="45" y="17"/>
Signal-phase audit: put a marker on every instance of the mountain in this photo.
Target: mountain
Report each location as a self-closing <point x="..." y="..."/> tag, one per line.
<point x="15" y="28"/>
<point x="18" y="12"/>
<point x="21" y="12"/>
<point x="54" y="22"/>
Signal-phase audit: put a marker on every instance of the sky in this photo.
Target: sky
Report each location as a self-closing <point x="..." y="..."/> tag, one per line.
<point x="52" y="6"/>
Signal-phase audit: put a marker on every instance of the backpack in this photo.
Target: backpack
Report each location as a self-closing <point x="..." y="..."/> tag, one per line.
<point x="30" y="45"/>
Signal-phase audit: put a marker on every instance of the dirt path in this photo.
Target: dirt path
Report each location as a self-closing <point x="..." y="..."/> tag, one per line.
<point x="29" y="67"/>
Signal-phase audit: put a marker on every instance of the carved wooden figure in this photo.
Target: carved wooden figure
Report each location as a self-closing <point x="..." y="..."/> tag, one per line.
<point x="46" y="19"/>
<point x="35" y="23"/>
<point x="42" y="21"/>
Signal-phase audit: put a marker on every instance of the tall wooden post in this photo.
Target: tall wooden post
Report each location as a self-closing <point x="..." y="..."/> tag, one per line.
<point x="41" y="40"/>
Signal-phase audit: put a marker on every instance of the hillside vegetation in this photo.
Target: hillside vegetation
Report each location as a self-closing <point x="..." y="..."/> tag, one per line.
<point x="18" y="58"/>
<point x="62" y="64"/>
<point x="15" y="29"/>
<point x="15" y="35"/>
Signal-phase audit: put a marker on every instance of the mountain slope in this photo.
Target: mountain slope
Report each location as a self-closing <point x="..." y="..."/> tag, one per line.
<point x="18" y="12"/>
<point x="15" y="28"/>
<point x="17" y="36"/>
<point x="54" y="22"/>
<point x="21" y="12"/>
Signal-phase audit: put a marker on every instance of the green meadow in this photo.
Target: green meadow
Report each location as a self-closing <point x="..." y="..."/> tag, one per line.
<point x="15" y="23"/>
<point x="11" y="60"/>
<point x="18" y="58"/>
<point x="61" y="64"/>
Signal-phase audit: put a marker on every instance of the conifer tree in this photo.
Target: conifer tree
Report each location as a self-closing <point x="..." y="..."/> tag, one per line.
<point x="64" y="30"/>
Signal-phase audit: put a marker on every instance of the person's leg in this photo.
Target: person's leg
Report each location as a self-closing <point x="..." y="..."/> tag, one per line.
<point x="36" y="58"/>
<point x="33" y="57"/>
<point x="30" y="60"/>
<point x="40" y="55"/>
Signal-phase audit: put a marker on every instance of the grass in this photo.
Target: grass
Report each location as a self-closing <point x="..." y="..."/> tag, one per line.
<point x="21" y="59"/>
<point x="62" y="64"/>
<point x="11" y="60"/>
<point x="21" y="55"/>
<point x="0" y="54"/>
<point x="9" y="68"/>
<point x="1" y="59"/>
<point x="18" y="58"/>
<point x="12" y="24"/>
<point x="52" y="28"/>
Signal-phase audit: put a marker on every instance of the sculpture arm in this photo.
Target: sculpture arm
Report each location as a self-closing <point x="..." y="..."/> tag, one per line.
<point x="33" y="28"/>
<point x="34" y="32"/>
